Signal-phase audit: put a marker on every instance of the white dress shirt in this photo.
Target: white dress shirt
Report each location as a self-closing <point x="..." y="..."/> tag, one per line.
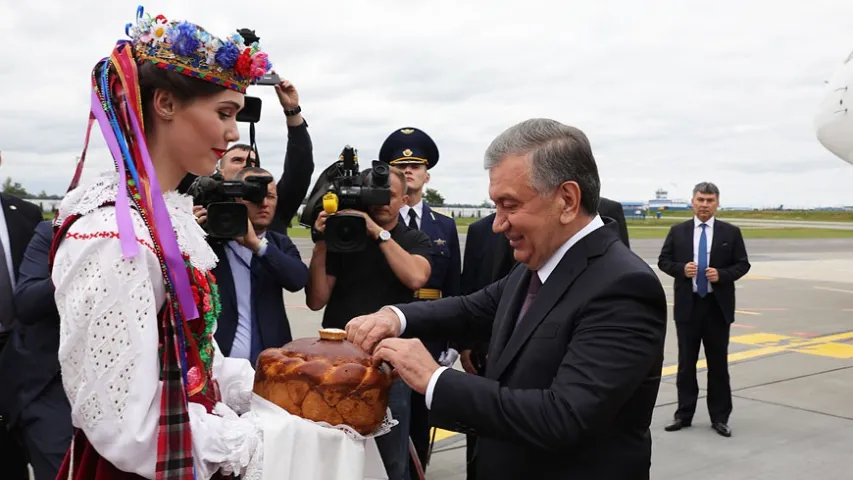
<point x="709" y="235"/>
<point x="544" y="272"/>
<point x="240" y="260"/>
<point x="419" y="213"/>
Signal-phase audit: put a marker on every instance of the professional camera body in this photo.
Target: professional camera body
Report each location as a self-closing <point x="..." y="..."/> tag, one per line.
<point x="227" y="218"/>
<point x="341" y="187"/>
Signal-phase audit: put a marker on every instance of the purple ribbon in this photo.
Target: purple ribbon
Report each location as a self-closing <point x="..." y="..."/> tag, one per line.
<point x="162" y="222"/>
<point x="126" y="234"/>
<point x="168" y="241"/>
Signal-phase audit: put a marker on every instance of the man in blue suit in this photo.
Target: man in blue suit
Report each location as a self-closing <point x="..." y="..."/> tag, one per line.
<point x="415" y="153"/>
<point x="252" y="272"/>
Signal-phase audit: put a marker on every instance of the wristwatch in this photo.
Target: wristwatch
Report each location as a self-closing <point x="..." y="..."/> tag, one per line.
<point x="261" y="245"/>
<point x="293" y="111"/>
<point x="384" y="236"/>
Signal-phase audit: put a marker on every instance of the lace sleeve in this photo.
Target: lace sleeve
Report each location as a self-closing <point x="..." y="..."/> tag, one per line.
<point x="108" y="353"/>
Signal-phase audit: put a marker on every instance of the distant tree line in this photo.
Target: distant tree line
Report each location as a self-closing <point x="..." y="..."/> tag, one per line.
<point x="11" y="187"/>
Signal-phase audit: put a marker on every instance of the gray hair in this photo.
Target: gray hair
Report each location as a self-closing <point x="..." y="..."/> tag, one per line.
<point x="707" y="188"/>
<point x="558" y="153"/>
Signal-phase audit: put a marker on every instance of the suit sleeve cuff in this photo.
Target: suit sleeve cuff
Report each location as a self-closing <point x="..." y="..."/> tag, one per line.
<point x="401" y="316"/>
<point x="431" y="386"/>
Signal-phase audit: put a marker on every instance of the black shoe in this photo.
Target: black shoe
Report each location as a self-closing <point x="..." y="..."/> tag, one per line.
<point x="722" y="429"/>
<point x="677" y="425"/>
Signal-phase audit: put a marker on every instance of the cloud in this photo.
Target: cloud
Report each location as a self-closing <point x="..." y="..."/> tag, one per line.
<point x="670" y="93"/>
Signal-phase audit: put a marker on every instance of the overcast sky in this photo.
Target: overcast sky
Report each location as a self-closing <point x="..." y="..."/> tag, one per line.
<point x="670" y="92"/>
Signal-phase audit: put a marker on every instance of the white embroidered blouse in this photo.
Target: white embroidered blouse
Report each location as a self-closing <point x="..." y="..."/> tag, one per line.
<point x="108" y="347"/>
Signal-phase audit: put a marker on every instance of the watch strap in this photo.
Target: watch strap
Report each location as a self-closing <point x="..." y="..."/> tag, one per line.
<point x="292" y="112"/>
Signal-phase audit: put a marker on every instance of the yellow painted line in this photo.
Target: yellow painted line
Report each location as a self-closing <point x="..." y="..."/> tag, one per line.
<point x="834" y="350"/>
<point x="733" y="357"/>
<point x="815" y="346"/>
<point x="442" y="434"/>
<point x="823" y="346"/>
<point x="760" y="339"/>
<point x="828" y="289"/>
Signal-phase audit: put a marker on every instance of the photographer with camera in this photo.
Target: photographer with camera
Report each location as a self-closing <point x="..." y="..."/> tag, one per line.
<point x="415" y="153"/>
<point x="298" y="158"/>
<point x="253" y="269"/>
<point x="393" y="264"/>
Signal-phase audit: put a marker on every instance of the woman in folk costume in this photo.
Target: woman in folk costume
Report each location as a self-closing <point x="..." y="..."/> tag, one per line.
<point x="151" y="395"/>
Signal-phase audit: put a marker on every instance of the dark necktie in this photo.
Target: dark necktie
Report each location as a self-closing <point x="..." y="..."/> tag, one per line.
<point x="5" y="292"/>
<point x="413" y="219"/>
<point x="532" y="290"/>
<point x="702" y="254"/>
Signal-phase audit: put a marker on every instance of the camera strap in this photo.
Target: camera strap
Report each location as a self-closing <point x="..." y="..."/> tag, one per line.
<point x="253" y="145"/>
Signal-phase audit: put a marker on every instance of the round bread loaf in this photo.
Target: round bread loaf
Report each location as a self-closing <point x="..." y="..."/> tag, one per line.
<point x="326" y="379"/>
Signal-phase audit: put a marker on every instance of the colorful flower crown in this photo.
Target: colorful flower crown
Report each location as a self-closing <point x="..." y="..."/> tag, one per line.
<point x="189" y="49"/>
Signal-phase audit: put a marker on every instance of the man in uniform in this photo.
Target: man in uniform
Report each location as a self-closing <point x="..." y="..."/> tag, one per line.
<point x="415" y="153"/>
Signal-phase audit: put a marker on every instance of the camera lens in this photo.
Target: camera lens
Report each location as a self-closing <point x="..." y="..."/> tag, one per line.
<point x="379" y="174"/>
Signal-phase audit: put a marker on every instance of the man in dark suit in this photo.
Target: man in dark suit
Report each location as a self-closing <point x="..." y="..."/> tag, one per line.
<point x="706" y="257"/>
<point x="252" y="272"/>
<point x="38" y="406"/>
<point x="577" y="329"/>
<point x="18" y="220"/>
<point x="415" y="153"/>
<point x="613" y="209"/>
<point x="489" y="259"/>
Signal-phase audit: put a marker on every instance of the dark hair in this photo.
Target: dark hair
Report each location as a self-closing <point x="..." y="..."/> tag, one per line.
<point x="251" y="171"/>
<point x="243" y="147"/>
<point x="153" y="78"/>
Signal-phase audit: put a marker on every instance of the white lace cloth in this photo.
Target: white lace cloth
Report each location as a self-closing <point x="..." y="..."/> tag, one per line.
<point x="108" y="347"/>
<point x="298" y="449"/>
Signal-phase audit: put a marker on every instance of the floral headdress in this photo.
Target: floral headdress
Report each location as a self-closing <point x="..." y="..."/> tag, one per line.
<point x="189" y="49"/>
<point x="117" y="107"/>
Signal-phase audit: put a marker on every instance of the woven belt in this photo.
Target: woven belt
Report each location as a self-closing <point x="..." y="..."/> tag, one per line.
<point x="428" y="293"/>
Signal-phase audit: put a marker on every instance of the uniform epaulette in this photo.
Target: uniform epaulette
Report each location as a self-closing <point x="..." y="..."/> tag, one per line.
<point x="432" y="209"/>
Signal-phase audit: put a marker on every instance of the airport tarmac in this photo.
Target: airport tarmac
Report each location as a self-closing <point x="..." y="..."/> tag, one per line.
<point x="791" y="368"/>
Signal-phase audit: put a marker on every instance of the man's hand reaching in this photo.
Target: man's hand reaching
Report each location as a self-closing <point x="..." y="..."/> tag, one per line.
<point x="367" y="330"/>
<point x="287" y="95"/>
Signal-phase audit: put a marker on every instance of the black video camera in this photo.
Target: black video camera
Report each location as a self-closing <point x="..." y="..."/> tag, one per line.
<point x="340" y="187"/>
<point x="227" y="218"/>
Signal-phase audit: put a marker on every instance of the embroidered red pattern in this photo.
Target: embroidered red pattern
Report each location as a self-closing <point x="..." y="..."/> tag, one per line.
<point x="105" y="234"/>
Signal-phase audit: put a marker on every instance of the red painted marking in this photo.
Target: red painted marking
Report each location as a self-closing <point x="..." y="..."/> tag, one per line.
<point x="742" y="326"/>
<point x="848" y="310"/>
<point x="806" y="334"/>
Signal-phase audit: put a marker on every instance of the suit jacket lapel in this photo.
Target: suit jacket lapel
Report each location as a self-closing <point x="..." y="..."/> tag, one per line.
<point x="428" y="225"/>
<point x="716" y="241"/>
<point x="514" y="294"/>
<point x="688" y="239"/>
<point x="572" y="264"/>
<point x="227" y="322"/>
